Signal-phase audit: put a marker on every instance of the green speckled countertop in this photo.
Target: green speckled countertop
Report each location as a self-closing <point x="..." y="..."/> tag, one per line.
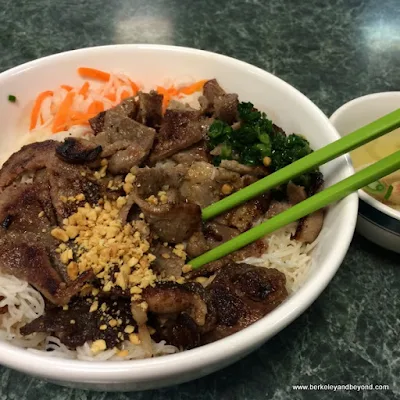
<point x="333" y="51"/>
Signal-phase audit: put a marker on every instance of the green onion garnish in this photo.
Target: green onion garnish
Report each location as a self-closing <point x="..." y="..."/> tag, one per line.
<point x="12" y="98"/>
<point x="376" y="186"/>
<point x="389" y="192"/>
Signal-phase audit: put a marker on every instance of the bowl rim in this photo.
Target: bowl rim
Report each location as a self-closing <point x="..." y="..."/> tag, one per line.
<point x="210" y="355"/>
<point x="378" y="219"/>
<point x="346" y="108"/>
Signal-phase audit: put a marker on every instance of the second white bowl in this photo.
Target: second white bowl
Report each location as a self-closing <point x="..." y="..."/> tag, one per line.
<point x="376" y="221"/>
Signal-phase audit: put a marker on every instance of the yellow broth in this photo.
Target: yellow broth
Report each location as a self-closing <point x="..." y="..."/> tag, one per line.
<point x="386" y="190"/>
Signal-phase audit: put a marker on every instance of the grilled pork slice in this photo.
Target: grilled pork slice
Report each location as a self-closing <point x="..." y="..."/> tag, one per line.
<point x="150" y="109"/>
<point x="180" y="129"/>
<point x="241" y="294"/>
<point x="216" y="102"/>
<point x="85" y="326"/>
<point x="30" y="158"/>
<point x="124" y="141"/>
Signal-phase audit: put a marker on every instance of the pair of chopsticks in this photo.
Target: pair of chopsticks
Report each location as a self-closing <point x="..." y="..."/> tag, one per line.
<point x="320" y="200"/>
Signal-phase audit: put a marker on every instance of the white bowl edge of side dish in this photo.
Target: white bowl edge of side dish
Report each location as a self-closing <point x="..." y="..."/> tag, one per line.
<point x="376" y="221"/>
<point x="287" y="107"/>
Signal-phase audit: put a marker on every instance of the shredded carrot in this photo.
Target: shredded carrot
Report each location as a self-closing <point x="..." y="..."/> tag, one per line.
<point x="195" y="87"/>
<point x="111" y="96"/>
<point x="61" y="117"/>
<point x="53" y="108"/>
<point x="79" y="118"/>
<point x="170" y="92"/>
<point x="67" y="87"/>
<point x="166" y="96"/>
<point x="135" y="88"/>
<point x="36" y="107"/>
<point x="64" y="116"/>
<point x="83" y="121"/>
<point x="125" y="94"/>
<point x="96" y="107"/>
<point x="77" y="115"/>
<point x="92" y="73"/>
<point x="84" y="89"/>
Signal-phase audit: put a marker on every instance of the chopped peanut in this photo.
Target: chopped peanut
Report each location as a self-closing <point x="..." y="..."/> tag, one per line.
<point x="128" y="187"/>
<point x="267" y="161"/>
<point x="133" y="261"/>
<point x="134" y="338"/>
<point x="102" y="172"/>
<point x="60" y="234"/>
<point x="129" y="329"/>
<point x="113" y="323"/>
<point x="186" y="268"/>
<point x="98" y="346"/>
<point x="80" y="197"/>
<point x="121" y="201"/>
<point x="179" y="251"/>
<point x="107" y="287"/>
<point x="72" y="270"/>
<point x="94" y="307"/>
<point x="163" y="197"/>
<point x="136" y="290"/>
<point x="66" y="256"/>
<point x="101" y="242"/>
<point x="130" y="178"/>
<point x="72" y="231"/>
<point x="152" y="200"/>
<point x="226" y="189"/>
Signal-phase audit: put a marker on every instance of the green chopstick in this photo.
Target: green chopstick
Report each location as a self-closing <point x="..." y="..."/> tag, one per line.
<point x="331" y="194"/>
<point x="319" y="157"/>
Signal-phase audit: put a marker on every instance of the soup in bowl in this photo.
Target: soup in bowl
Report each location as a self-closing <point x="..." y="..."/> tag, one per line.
<point x="379" y="214"/>
<point x="387" y="189"/>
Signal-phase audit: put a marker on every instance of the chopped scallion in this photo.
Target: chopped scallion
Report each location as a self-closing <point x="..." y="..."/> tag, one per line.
<point x="376" y="186"/>
<point x="12" y="98"/>
<point x="389" y="192"/>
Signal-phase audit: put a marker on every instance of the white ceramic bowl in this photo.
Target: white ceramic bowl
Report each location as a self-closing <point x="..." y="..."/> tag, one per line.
<point x="150" y="65"/>
<point x="376" y="221"/>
